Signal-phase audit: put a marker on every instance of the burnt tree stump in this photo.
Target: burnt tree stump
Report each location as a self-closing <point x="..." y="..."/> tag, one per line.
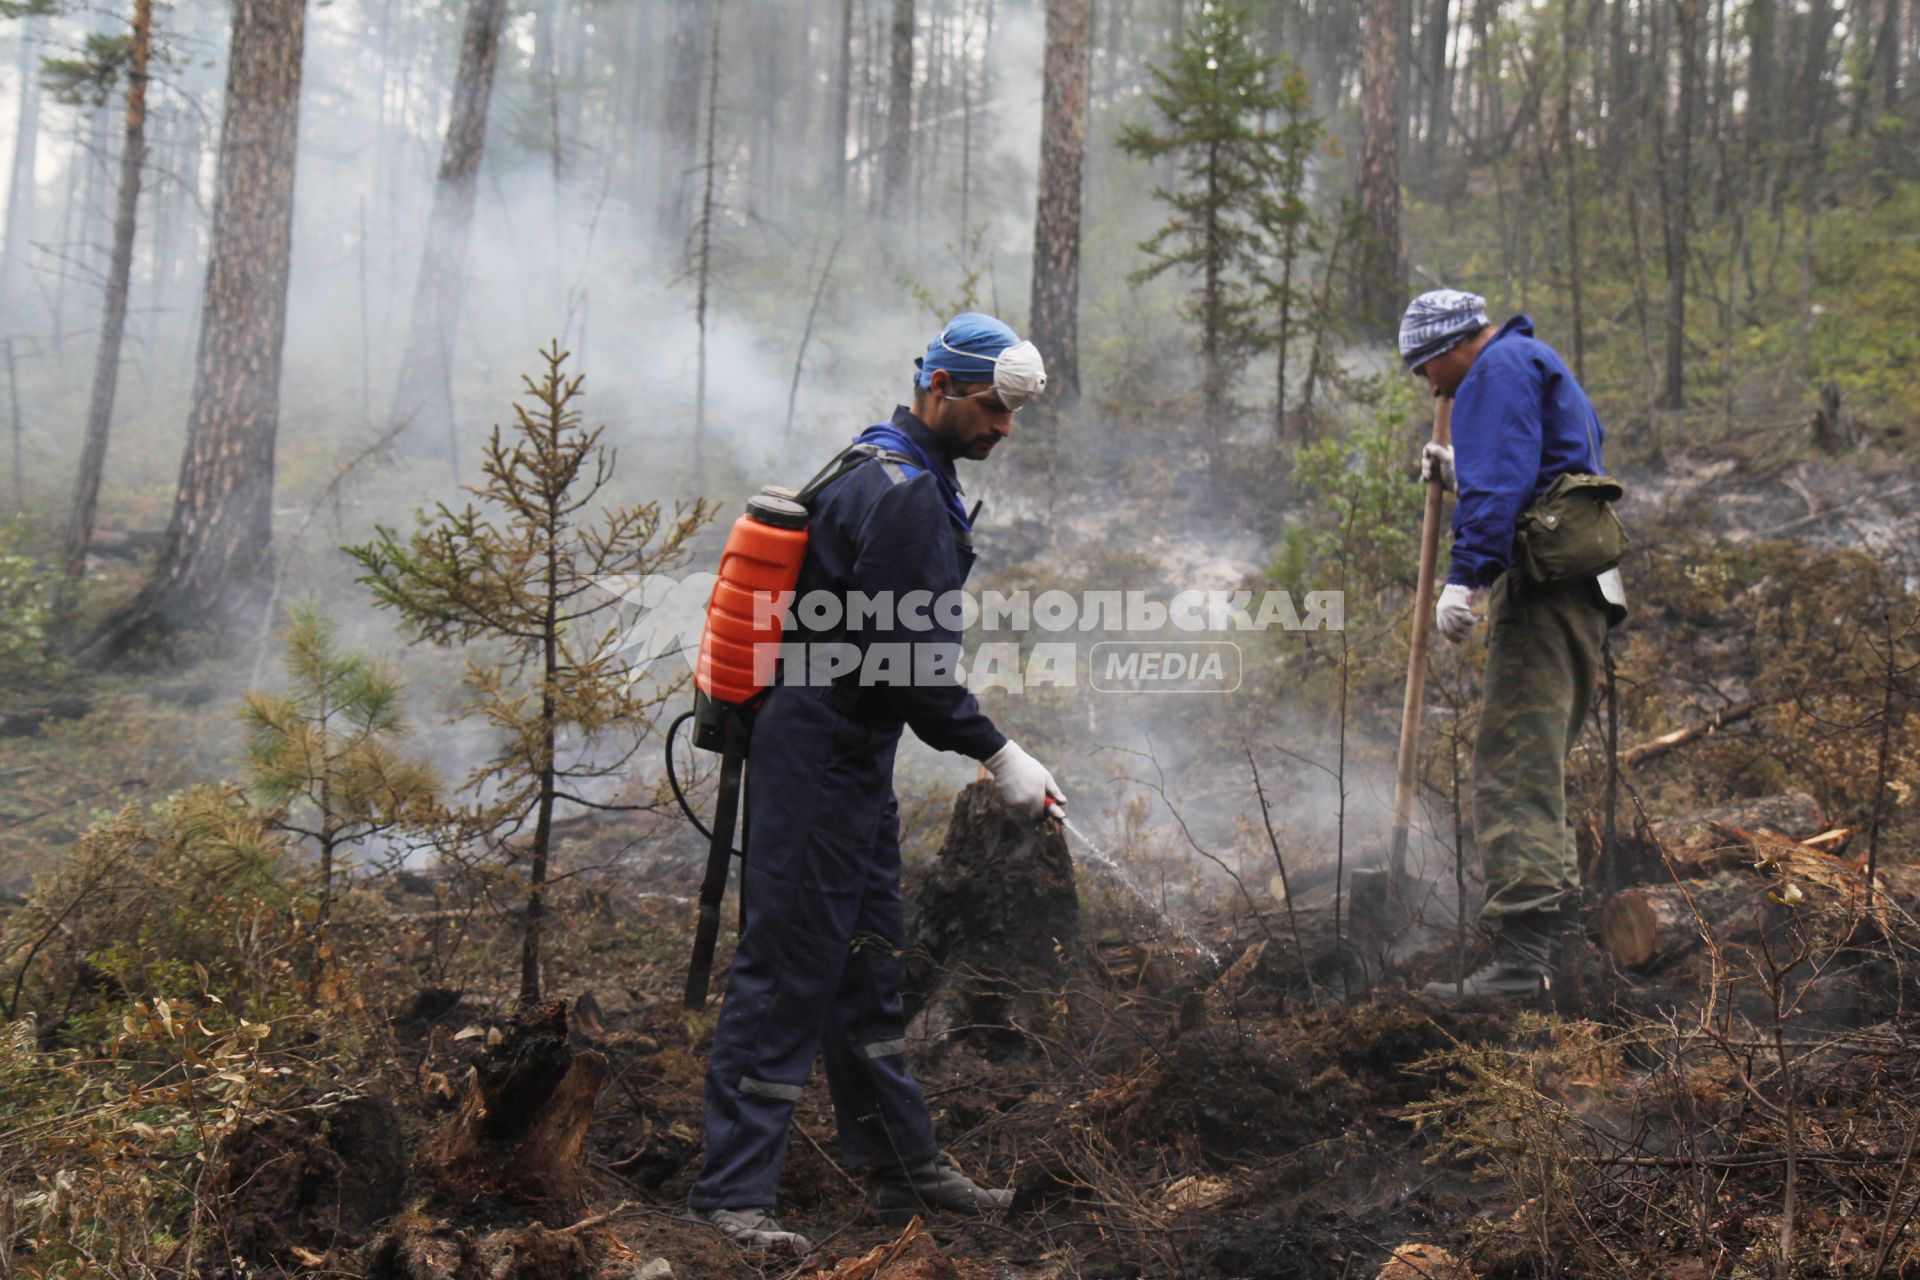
<point x="991" y="925"/>
<point x="519" y="1130"/>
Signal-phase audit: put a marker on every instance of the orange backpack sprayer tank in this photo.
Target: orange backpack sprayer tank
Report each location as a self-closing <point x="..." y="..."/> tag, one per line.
<point x="747" y="611"/>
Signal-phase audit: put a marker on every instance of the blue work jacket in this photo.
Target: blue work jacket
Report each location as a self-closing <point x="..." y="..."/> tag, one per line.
<point x="1520" y="420"/>
<point x="872" y="531"/>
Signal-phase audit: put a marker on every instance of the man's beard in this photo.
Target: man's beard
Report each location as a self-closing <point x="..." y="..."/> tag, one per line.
<point x="950" y="434"/>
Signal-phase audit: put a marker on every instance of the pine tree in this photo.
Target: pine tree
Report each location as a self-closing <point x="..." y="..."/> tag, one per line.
<point x="219" y="546"/>
<point x="73" y="81"/>
<point x="1214" y="96"/>
<point x="523" y="570"/>
<point x="1055" y="312"/>
<point x="324" y="753"/>
<point x="1380" y="278"/>
<point x="423" y="398"/>
<point x="1292" y="228"/>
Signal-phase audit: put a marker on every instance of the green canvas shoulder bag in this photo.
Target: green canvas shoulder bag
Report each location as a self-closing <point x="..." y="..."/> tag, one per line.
<point x="1571" y="532"/>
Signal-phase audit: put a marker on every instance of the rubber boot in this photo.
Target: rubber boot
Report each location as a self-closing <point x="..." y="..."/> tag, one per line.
<point x="752" y="1228"/>
<point x="898" y="1194"/>
<point x="1526" y="951"/>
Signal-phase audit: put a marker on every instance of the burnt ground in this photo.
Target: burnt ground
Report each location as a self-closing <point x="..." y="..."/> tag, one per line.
<point x="1164" y="1123"/>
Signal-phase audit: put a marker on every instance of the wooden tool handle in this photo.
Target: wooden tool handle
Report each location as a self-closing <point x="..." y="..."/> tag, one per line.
<point x="1417" y="655"/>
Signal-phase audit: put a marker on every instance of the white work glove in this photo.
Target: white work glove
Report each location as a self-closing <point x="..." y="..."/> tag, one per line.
<point x="1436" y="462"/>
<point x="1024" y="782"/>
<point x="1453" y="612"/>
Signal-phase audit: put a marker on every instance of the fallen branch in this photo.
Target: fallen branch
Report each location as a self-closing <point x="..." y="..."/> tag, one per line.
<point x="1632" y="757"/>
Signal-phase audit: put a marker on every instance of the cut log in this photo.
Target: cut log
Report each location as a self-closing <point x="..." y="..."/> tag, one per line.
<point x="519" y="1131"/>
<point x="993" y="923"/>
<point x="1655" y="924"/>
<point x="1650" y="925"/>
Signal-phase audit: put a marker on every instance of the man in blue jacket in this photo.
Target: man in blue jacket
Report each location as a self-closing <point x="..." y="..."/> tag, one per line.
<point x="820" y="965"/>
<point x="1520" y="419"/>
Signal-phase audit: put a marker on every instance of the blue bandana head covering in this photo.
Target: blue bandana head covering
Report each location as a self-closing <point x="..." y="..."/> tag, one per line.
<point x="1437" y="322"/>
<point x="967" y="349"/>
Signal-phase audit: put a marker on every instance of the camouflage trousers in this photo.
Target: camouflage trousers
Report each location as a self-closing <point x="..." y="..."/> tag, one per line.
<point x="1543" y="656"/>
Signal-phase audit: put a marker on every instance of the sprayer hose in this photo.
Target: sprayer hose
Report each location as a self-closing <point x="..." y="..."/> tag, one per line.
<point x="673" y="782"/>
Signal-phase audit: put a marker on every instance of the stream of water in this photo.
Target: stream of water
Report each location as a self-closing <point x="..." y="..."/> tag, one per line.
<point x="1121" y="877"/>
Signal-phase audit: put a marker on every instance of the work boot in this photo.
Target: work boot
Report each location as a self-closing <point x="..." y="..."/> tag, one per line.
<point x="752" y="1228"/>
<point x="1526" y="951"/>
<point x="898" y="1194"/>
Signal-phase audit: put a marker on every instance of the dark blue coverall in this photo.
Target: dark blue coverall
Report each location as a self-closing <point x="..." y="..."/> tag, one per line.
<point x="820" y="963"/>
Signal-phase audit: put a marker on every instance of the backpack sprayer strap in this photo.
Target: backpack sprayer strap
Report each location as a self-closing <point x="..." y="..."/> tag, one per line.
<point x="849" y="458"/>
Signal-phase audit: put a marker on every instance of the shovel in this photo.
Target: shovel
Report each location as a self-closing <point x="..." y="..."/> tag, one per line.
<point x="1417" y="657"/>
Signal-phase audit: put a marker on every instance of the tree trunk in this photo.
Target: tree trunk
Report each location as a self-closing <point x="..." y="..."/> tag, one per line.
<point x="423" y="397"/>
<point x="1439" y="85"/>
<point x="21" y="186"/>
<point x="840" y="112"/>
<point x="1821" y="16"/>
<point x="72" y="209"/>
<point x="1570" y="148"/>
<point x="1677" y="197"/>
<point x="1055" y="324"/>
<point x="703" y="260"/>
<point x="545" y="74"/>
<point x="1886" y="58"/>
<point x="1619" y="77"/>
<point x="686" y="60"/>
<point x="1761" y="78"/>
<point x="1379" y="277"/>
<point x="899" y="109"/>
<point x="568" y="132"/>
<point x="1290" y="252"/>
<point x="1213" y="338"/>
<point x="113" y="325"/>
<point x="219" y="540"/>
<point x="534" y="931"/>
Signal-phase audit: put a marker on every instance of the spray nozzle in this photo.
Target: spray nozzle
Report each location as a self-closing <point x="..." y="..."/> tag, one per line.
<point x="1055" y="811"/>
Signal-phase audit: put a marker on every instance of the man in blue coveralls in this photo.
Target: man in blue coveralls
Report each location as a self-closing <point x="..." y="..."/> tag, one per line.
<point x="1520" y="420"/>
<point x="820" y="961"/>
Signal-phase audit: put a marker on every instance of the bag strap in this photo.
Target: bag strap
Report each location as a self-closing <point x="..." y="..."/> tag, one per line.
<point x="891" y="461"/>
